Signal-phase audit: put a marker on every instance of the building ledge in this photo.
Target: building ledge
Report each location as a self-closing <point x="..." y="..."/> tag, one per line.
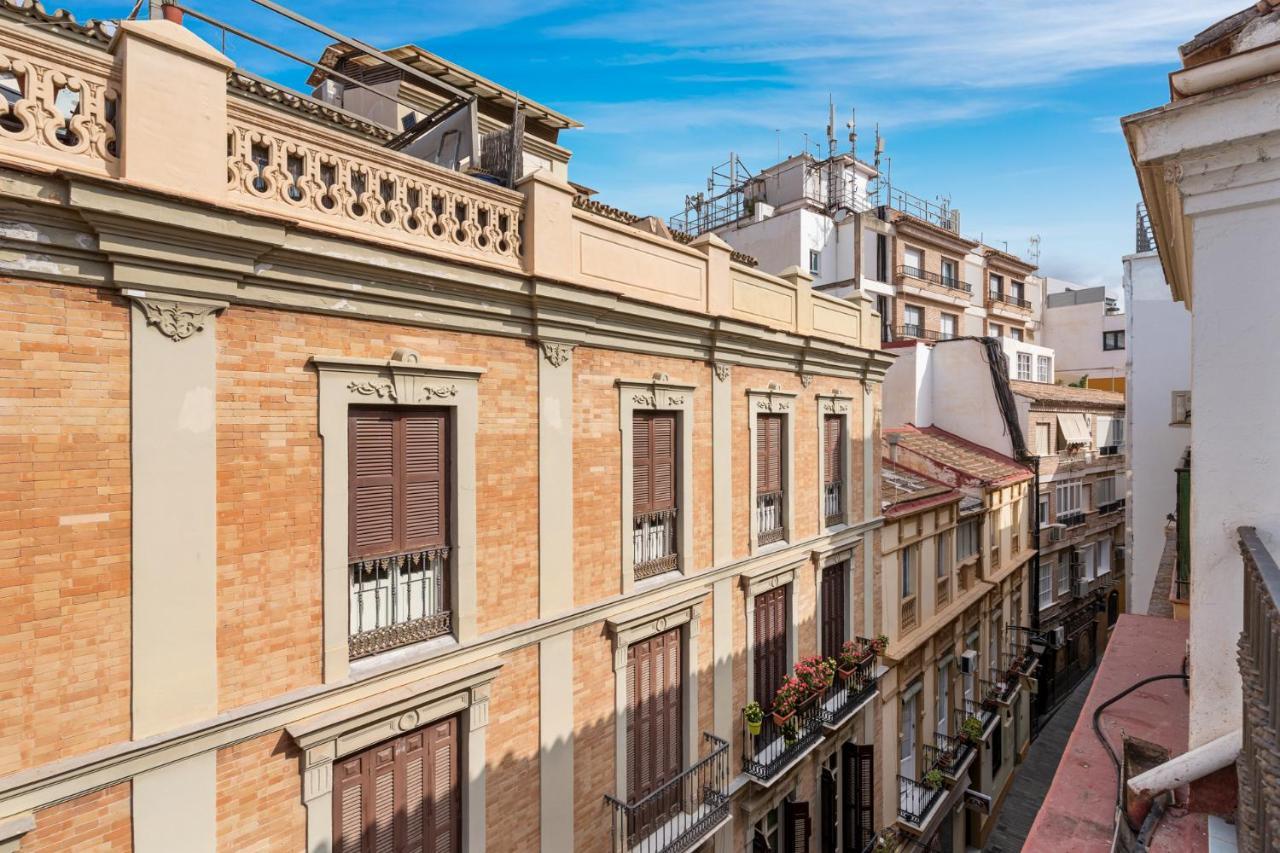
<point x="1081" y="803"/>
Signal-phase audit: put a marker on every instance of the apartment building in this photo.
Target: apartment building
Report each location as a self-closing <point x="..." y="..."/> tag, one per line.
<point x="1088" y="331"/>
<point x="368" y="503"/>
<point x="844" y="222"/>
<point x="1078" y="436"/>
<point x="1206" y="165"/>
<point x="955" y="560"/>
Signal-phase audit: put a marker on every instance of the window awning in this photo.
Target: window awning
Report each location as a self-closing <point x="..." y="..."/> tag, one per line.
<point x="1075" y="429"/>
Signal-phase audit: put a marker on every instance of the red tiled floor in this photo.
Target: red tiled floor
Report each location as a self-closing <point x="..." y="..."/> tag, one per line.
<point x="1078" y="812"/>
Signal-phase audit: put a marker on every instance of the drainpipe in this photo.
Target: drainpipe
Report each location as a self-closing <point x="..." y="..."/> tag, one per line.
<point x="1190" y="766"/>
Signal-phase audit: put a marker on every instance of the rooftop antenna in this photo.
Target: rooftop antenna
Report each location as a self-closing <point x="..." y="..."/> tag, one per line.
<point x="831" y="126"/>
<point x="777" y="132"/>
<point x="852" y="124"/>
<point x="1033" y="249"/>
<point x="806" y="142"/>
<point x="879" y="146"/>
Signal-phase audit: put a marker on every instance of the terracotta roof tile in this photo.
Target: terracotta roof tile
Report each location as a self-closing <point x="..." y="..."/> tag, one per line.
<point x="953" y="453"/>
<point x="1047" y="393"/>
<point x="903" y="491"/>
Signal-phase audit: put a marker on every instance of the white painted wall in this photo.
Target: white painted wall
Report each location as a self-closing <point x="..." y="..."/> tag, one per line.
<point x="1012" y="348"/>
<point x="1159" y="363"/>
<point x="1075" y="333"/>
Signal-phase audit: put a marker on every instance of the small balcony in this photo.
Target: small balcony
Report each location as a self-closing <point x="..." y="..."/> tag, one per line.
<point x="397" y="600"/>
<point x="1002" y="687"/>
<point x="655" y="543"/>
<point x="949" y="282"/>
<point x="778" y="746"/>
<point x="846" y="696"/>
<point x="917" y="802"/>
<point x="917" y="332"/>
<point x="1071" y="519"/>
<point x="682" y="813"/>
<point x="987" y="714"/>
<point x="833" y="503"/>
<point x="769" y="526"/>
<point x="892" y="840"/>
<point x="1111" y="506"/>
<point x="950" y="756"/>
<point x="1000" y="299"/>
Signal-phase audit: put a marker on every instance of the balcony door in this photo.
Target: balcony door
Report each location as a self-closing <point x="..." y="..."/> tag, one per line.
<point x="833" y="609"/>
<point x="859" y="796"/>
<point x="770" y="644"/>
<point x="655" y="747"/>
<point x="909" y="736"/>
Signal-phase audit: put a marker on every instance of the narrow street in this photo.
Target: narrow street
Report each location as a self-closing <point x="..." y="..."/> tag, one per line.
<point x="1035" y="775"/>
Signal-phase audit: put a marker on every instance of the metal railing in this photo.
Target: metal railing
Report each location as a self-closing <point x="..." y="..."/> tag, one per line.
<point x="1111" y="506"/>
<point x="681" y="811"/>
<point x="766" y="754"/>
<point x="1071" y="519"/>
<point x="952" y="753"/>
<point x="948" y="282"/>
<point x="655" y="541"/>
<point x="833" y="502"/>
<point x="1258" y="766"/>
<point x="901" y="333"/>
<point x="1182" y="529"/>
<point x="890" y="840"/>
<point x="1146" y="239"/>
<point x="1016" y="301"/>
<point x="1001" y="687"/>
<point x="846" y="694"/>
<point x="915" y="800"/>
<point x="398" y="599"/>
<point x="970" y="708"/>
<point x="769" y="527"/>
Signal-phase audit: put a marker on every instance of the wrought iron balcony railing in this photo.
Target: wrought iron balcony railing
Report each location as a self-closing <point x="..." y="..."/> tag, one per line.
<point x="1001" y="687"/>
<point x="1007" y="299"/>
<point x="1259" y="659"/>
<point x="952" y="754"/>
<point x="890" y="840"/>
<point x="846" y="695"/>
<point x="655" y="541"/>
<point x="902" y="333"/>
<point x="769" y="526"/>
<point x="916" y="800"/>
<point x="1071" y="519"/>
<point x="681" y="812"/>
<point x="778" y="745"/>
<point x="971" y="708"/>
<point x="949" y="282"/>
<point x="1111" y="506"/>
<point x="397" y="600"/>
<point x="833" y="502"/>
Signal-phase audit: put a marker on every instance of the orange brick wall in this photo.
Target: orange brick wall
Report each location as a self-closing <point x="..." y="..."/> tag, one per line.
<point x="597" y="461"/>
<point x="512" y="744"/>
<point x="269" y="485"/>
<point x="64" y="523"/>
<point x="260" y="796"/>
<point x="100" y="822"/>
<point x="593" y="744"/>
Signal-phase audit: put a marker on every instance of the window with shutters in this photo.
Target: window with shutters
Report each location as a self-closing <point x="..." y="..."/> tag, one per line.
<point x="654" y="471"/>
<point x="770" y="495"/>
<point x="909" y="569"/>
<point x="833" y="608"/>
<point x="769" y="644"/>
<point x="398" y="540"/>
<point x="942" y="569"/>
<point x="655" y="746"/>
<point x="833" y="455"/>
<point x="400" y="796"/>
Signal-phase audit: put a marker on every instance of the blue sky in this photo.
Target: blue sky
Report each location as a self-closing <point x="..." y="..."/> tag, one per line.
<point x="1009" y="107"/>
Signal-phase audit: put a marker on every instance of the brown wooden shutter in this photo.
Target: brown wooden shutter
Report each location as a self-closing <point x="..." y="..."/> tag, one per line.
<point x="864" y="801"/>
<point x="372" y="476"/>
<point x="833" y="449"/>
<point x="770" y="644"/>
<point x="424" y="456"/>
<point x="654" y="730"/>
<point x="769" y="453"/>
<point x="641" y="464"/>
<point x="832" y="627"/>
<point x="798" y="826"/>
<point x="653" y="461"/>
<point x="380" y="799"/>
<point x="445" y="804"/>
<point x="411" y="792"/>
<point x="348" y="806"/>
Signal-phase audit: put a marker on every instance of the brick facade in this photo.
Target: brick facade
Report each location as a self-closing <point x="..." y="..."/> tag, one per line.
<point x="98" y="822"/>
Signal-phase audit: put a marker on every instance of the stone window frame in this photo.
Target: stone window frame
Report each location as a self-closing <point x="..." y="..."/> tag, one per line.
<point x="402" y="380"/>
<point x="329" y="736"/>
<point x="840" y="405"/>
<point x="627" y="629"/>
<point x="762" y="580"/>
<point x="773" y="401"/>
<point x="658" y="394"/>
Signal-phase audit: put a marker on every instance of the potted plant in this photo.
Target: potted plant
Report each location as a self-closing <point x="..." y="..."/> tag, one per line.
<point x="880" y="644"/>
<point x="790" y="732"/>
<point x="816" y="674"/>
<point x="971" y="729"/>
<point x="888" y="842"/>
<point x="944" y="760"/>
<point x="790" y="696"/>
<point x="851" y="654"/>
<point x="933" y="779"/>
<point x="755" y="717"/>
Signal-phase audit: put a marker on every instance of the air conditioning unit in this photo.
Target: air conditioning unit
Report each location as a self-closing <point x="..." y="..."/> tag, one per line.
<point x="1082" y="587"/>
<point x="1055" y="532"/>
<point x="969" y="662"/>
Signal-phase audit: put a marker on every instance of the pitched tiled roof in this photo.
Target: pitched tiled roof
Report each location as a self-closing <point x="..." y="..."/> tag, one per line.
<point x="949" y="451"/>
<point x="1047" y="393"/>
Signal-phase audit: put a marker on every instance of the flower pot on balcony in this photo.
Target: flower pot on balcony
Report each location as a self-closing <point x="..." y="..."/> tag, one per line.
<point x="782" y="719"/>
<point x="753" y="727"/>
<point x="846" y="673"/>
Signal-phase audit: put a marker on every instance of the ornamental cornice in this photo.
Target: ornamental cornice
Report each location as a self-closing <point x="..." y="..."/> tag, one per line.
<point x="656" y="393"/>
<point x="174" y="318"/>
<point x="772" y="399"/>
<point x="399" y="379"/>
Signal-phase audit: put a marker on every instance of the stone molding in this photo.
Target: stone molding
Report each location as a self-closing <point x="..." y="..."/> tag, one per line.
<point x="722" y="370"/>
<point x="557" y="354"/>
<point x="631" y="627"/>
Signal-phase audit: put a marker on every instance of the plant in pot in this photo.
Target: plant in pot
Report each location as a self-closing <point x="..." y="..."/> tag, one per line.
<point x="790" y="732"/>
<point x="755" y="717"/>
<point x="888" y="842"/>
<point x="971" y="729"/>
<point x="816" y="674"/>
<point x="850" y="656"/>
<point x="880" y="644"/>
<point x="933" y="779"/>
<point x="945" y="760"/>
<point x="790" y="696"/>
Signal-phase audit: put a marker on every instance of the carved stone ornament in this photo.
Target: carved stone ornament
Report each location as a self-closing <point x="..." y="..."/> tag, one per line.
<point x="176" y="320"/>
<point x="645" y="400"/>
<point x="380" y="388"/>
<point x="773" y="404"/>
<point x="555" y="353"/>
<point x="722" y="370"/>
<point x="806" y="379"/>
<point x="835" y="407"/>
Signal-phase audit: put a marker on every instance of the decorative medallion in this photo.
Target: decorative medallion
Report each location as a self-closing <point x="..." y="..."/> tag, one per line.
<point x="441" y="391"/>
<point x="806" y="379"/>
<point x="380" y="388"/>
<point x="555" y="353"/>
<point x="722" y="370"/>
